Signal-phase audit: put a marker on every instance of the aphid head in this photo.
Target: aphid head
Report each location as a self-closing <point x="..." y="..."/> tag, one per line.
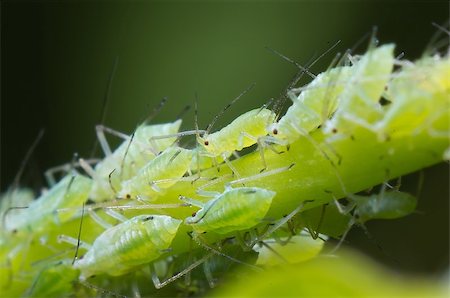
<point x="205" y="143"/>
<point x="273" y="130"/>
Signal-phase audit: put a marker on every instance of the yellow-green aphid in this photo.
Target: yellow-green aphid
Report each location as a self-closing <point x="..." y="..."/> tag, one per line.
<point x="168" y="168"/>
<point x="416" y="91"/>
<point x="360" y="100"/>
<point x="315" y="104"/>
<point x="245" y="131"/>
<point x="128" y="245"/>
<point x="134" y="153"/>
<point x="41" y="214"/>
<point x="235" y="209"/>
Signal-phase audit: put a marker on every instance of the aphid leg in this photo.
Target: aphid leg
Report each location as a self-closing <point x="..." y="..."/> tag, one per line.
<point x="95" y="217"/>
<point x="260" y="146"/>
<point x="280" y="223"/>
<point x="202" y="243"/>
<point x="192" y="201"/>
<point x="74" y="242"/>
<point x="158" y="284"/>
<point x="88" y="169"/>
<point x="100" y="131"/>
<point x="261" y="175"/>
<point x="50" y="174"/>
<point x="154" y="148"/>
<point x="116" y="215"/>
<point x="230" y="165"/>
<point x="208" y="274"/>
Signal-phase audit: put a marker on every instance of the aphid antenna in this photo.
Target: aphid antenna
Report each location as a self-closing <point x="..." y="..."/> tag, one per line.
<point x="261" y="175"/>
<point x="26" y="158"/>
<point x="106" y="100"/>
<point x="368" y="35"/>
<point x="298" y="65"/>
<point x="79" y="235"/>
<point x="211" y="124"/>
<point x="156" y="110"/>
<point x="122" y="164"/>
<point x="435" y="42"/>
<point x="183" y="112"/>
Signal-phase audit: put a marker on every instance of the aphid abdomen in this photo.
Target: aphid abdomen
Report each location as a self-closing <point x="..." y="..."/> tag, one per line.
<point x="169" y="166"/>
<point x="130" y="157"/>
<point x="71" y="191"/>
<point x="412" y="107"/>
<point x="315" y="104"/>
<point x="135" y="242"/>
<point x="359" y="102"/>
<point x="234" y="210"/>
<point x="241" y="133"/>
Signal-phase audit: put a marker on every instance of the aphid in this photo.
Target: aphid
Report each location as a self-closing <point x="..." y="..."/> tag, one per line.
<point x="41" y="214"/>
<point x="316" y="103"/>
<point x="235" y="209"/>
<point x="128" y="245"/>
<point x="360" y="99"/>
<point x="245" y="131"/>
<point x="413" y="107"/>
<point x="128" y="158"/>
<point x="158" y="174"/>
<point x="384" y="205"/>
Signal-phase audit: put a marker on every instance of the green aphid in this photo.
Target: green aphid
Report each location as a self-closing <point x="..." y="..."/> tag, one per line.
<point x="129" y="245"/>
<point x="158" y="174"/>
<point x="133" y="154"/>
<point x="41" y="214"/>
<point x="235" y="209"/>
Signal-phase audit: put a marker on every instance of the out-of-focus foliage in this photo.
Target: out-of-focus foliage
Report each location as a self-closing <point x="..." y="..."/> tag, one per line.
<point x="346" y="275"/>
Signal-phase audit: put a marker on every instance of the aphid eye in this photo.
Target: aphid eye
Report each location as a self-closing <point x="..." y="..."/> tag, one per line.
<point x="147" y="218"/>
<point x="206" y="143"/>
<point x="128" y="196"/>
<point x="334" y="130"/>
<point x="275" y="131"/>
<point x="194" y="214"/>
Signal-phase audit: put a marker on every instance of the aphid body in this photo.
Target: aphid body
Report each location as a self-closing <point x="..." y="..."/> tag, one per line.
<point x="233" y="210"/>
<point x="169" y="166"/>
<point x="360" y="100"/>
<point x="413" y="107"/>
<point x="316" y="103"/>
<point x="243" y="132"/>
<point x="41" y="214"/>
<point x="129" y="158"/>
<point x="128" y="245"/>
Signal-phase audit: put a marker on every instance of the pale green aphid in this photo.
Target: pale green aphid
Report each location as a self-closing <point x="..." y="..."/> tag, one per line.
<point x="126" y="246"/>
<point x="245" y="131"/>
<point x="123" y="164"/>
<point x="41" y="214"/>
<point x="359" y="102"/>
<point x="415" y="107"/>
<point x="235" y="209"/>
<point x="168" y="168"/>
<point x="316" y="103"/>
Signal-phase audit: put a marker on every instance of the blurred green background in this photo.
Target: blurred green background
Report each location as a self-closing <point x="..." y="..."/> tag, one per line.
<point x="57" y="57"/>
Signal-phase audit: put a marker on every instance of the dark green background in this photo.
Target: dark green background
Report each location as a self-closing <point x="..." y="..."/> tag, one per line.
<point x="57" y="56"/>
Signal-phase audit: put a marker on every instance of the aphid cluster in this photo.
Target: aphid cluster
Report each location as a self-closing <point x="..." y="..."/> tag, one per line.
<point x="136" y="210"/>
